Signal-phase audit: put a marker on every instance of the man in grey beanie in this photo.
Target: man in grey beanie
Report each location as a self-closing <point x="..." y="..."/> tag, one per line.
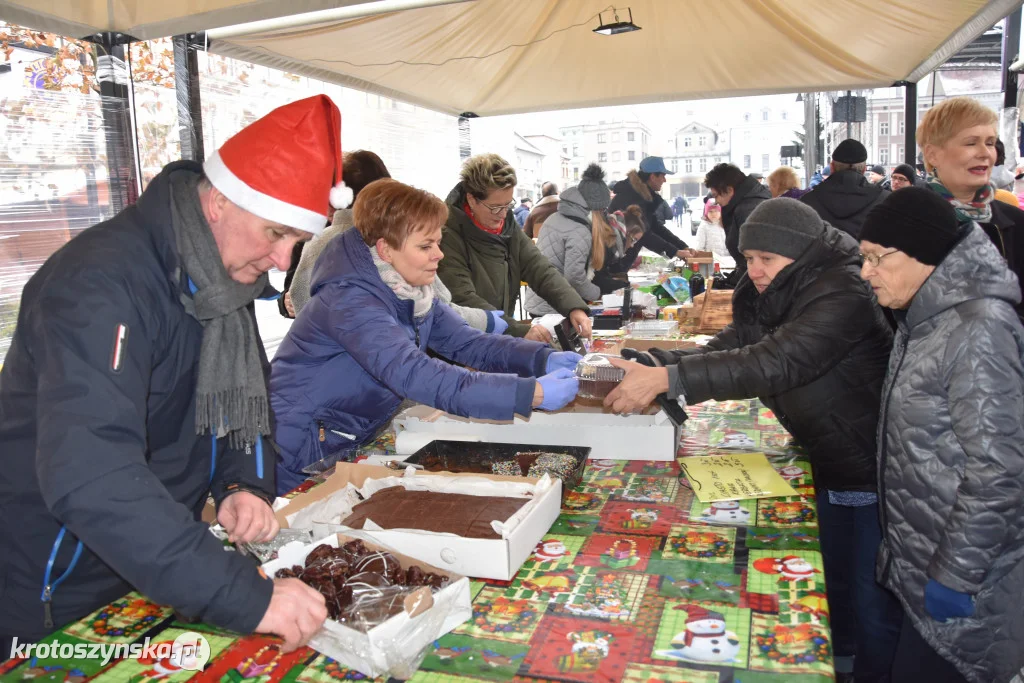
<point x="810" y="341"/>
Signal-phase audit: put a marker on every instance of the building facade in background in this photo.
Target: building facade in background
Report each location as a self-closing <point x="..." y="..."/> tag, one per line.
<point x="690" y="154"/>
<point x="618" y="146"/>
<point x="555" y="164"/>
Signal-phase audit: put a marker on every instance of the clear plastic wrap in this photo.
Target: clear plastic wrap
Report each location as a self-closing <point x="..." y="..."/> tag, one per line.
<point x="597" y="376"/>
<point x="386" y="609"/>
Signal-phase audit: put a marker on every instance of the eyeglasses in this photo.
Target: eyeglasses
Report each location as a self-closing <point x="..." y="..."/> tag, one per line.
<point x="875" y="259"/>
<point x="497" y="210"/>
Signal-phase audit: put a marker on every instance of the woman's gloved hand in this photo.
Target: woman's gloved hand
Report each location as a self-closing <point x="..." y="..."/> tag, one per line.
<point x="944" y="603"/>
<point x="557" y="389"/>
<point x="563" y="359"/>
<point x="499" y="322"/>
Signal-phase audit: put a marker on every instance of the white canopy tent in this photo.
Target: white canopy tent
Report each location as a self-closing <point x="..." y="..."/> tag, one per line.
<point x="492" y="57"/>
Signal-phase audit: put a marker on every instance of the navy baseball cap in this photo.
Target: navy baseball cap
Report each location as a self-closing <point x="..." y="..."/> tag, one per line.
<point x="654" y="165"/>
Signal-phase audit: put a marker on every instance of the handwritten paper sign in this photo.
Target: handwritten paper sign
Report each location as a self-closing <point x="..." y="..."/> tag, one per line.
<point x="734" y="477"/>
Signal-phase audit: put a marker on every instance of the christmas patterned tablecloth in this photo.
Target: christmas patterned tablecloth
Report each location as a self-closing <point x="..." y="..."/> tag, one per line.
<point x="636" y="582"/>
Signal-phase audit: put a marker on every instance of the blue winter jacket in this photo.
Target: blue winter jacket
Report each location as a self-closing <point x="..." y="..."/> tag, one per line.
<point x="355" y="352"/>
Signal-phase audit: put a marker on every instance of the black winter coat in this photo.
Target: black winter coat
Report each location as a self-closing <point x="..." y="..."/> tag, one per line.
<point x="1006" y="230"/>
<point x="844" y="199"/>
<point x="631" y="191"/>
<point x="102" y="439"/>
<point x="814" y="348"/>
<point x="744" y="200"/>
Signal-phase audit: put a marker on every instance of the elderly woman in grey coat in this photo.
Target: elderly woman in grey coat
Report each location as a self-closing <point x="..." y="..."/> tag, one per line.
<point x="575" y="237"/>
<point x="951" y="442"/>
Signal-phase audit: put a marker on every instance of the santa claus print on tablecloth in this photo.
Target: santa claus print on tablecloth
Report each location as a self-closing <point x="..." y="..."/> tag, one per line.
<point x="768" y="570"/>
<point x="552" y="552"/>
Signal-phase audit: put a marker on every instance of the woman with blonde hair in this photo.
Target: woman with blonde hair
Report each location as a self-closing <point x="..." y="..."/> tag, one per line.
<point x="487" y="255"/>
<point x="359" y="348"/>
<point x="958" y="140"/>
<point x="575" y="238"/>
<point x="784" y="182"/>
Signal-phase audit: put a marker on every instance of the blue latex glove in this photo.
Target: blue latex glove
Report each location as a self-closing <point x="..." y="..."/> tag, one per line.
<point x="559" y="388"/>
<point x="562" y="359"/>
<point x="499" y="322"/>
<point x="944" y="603"/>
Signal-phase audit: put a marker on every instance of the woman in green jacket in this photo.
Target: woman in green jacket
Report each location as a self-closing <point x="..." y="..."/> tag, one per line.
<point x="487" y="255"/>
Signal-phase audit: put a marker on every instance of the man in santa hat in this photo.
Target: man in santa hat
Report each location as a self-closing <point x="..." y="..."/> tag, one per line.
<point x="135" y="386"/>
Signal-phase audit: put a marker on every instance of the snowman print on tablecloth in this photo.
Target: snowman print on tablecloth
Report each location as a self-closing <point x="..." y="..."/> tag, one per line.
<point x="705" y="638"/>
<point x="732" y="438"/>
<point x="726" y="512"/>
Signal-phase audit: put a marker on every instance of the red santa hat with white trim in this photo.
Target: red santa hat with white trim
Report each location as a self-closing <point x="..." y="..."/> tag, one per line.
<point x="285" y="167"/>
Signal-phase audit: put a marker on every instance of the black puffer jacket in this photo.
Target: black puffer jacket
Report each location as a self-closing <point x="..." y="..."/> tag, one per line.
<point x="844" y="200"/>
<point x="746" y="197"/>
<point x="814" y="348"/>
<point x="633" y="190"/>
<point x="1006" y="230"/>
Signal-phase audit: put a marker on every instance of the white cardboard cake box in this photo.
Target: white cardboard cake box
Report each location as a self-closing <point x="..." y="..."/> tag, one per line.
<point x="646" y="436"/>
<point x="392" y="647"/>
<point x="481" y="558"/>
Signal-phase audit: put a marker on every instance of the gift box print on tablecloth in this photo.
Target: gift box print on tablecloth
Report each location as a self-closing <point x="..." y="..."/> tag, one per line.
<point x="501" y="618"/>
<point x="585" y="650"/>
<point x="644" y="519"/>
<point x="617" y="552"/>
<point x="691" y="632"/>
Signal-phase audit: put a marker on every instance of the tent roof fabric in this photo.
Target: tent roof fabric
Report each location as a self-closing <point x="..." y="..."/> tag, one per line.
<point x="148" y="19"/>
<point x="492" y="57"/>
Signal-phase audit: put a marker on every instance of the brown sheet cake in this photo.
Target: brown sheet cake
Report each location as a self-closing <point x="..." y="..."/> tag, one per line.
<point x="469" y="516"/>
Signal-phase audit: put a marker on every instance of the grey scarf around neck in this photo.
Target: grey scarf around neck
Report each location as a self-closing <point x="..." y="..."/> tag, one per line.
<point x="231" y="390"/>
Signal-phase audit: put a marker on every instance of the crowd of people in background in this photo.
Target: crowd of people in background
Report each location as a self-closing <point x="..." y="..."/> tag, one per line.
<point x="879" y="314"/>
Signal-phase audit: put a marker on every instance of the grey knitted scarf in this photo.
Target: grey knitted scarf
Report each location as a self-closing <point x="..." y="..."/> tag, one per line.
<point x="231" y="391"/>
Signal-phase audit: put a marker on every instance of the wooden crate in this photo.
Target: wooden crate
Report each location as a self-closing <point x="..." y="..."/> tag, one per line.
<point x="712" y="311"/>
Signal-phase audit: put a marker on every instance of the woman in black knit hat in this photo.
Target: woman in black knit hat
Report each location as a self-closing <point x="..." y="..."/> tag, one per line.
<point x="951" y="441"/>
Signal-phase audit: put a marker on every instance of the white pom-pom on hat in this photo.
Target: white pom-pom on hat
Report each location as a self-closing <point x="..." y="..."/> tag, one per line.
<point x="341" y="196"/>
